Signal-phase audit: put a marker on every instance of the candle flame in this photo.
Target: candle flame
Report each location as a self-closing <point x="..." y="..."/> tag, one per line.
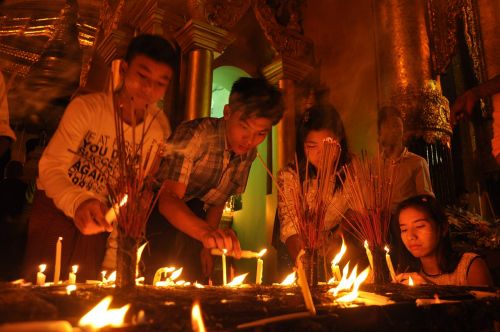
<point x="289" y="280"/>
<point x="262" y="253"/>
<point x="176" y="274"/>
<point x="238" y="280"/>
<point x="124" y="200"/>
<point x="410" y="281"/>
<point x="70" y="289"/>
<point x="196" y="318"/>
<point x="197" y="285"/>
<point x="340" y="254"/>
<point x="101" y="316"/>
<point x="386" y="248"/>
<point x="42" y="267"/>
<point x="436" y="298"/>
<point x="112" y="277"/>
<point x="349" y="297"/>
<point x="366" y="244"/>
<point x="60" y="238"/>
<point x="224" y="251"/>
<point x="140" y="250"/>
<point x="74" y="268"/>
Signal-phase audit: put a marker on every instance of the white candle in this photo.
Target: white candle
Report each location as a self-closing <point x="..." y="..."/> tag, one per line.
<point x="51" y="325"/>
<point x="369" y="254"/>
<point x="389" y="264"/>
<point x="40" y="277"/>
<point x="260" y="267"/>
<point x="224" y="274"/>
<point x="111" y="214"/>
<point x="72" y="274"/>
<point x="304" y="286"/>
<point x="57" y="263"/>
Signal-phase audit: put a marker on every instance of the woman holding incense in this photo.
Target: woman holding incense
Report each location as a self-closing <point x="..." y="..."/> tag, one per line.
<point x="318" y="124"/>
<point x="428" y="252"/>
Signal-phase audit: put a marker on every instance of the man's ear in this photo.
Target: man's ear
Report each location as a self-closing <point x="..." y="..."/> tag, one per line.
<point x="227" y="111"/>
<point x="123" y="67"/>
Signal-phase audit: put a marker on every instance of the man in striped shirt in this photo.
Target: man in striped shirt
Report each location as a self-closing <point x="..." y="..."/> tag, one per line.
<point x="209" y="160"/>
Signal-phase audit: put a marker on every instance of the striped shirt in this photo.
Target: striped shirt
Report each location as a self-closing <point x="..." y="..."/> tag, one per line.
<point x="198" y="157"/>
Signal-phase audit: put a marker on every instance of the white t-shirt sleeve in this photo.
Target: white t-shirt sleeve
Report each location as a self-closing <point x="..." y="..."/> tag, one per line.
<point x="61" y="150"/>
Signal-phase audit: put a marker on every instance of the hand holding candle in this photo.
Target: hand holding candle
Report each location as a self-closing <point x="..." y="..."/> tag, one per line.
<point x="114" y="210"/>
<point x="40" y="277"/>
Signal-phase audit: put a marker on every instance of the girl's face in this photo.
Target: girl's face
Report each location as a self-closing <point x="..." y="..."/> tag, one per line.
<point x="419" y="232"/>
<point x="313" y="144"/>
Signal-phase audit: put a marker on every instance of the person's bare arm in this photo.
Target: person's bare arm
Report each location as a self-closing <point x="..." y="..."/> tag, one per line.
<point x="478" y="274"/>
<point x="173" y="208"/>
<point x="464" y="104"/>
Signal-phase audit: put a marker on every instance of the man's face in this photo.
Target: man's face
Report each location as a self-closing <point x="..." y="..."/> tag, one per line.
<point x="391" y="132"/>
<point x="145" y="80"/>
<point x="244" y="134"/>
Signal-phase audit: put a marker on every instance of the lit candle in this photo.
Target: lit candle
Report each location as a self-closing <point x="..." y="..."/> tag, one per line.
<point x="369" y="254"/>
<point x="260" y="267"/>
<point x="336" y="260"/>
<point x="410" y="281"/>
<point x="304" y="286"/>
<point x="40" y="277"/>
<point x="72" y="274"/>
<point x="224" y="275"/>
<point x="111" y="214"/>
<point x="57" y="264"/>
<point x="389" y="264"/>
<point x="103" y="274"/>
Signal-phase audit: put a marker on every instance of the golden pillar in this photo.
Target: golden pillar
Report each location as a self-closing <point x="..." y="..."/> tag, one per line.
<point x="286" y="72"/>
<point x="404" y="79"/>
<point x="200" y="42"/>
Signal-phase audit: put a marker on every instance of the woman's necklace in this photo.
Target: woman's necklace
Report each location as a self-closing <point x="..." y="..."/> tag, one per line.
<point x="431" y="275"/>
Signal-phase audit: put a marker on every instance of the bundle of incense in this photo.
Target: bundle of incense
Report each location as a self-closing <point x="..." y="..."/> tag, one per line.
<point x="244" y="253"/>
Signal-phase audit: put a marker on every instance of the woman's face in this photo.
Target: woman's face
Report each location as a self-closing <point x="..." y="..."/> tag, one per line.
<point x="313" y="144"/>
<point x="419" y="232"/>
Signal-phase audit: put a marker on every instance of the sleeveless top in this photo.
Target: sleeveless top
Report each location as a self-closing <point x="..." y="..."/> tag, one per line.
<point x="457" y="277"/>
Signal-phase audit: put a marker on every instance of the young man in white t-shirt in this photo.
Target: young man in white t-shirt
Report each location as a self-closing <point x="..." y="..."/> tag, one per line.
<point x="71" y="199"/>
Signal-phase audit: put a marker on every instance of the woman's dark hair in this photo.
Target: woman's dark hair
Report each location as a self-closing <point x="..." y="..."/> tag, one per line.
<point x="447" y="258"/>
<point x="315" y="118"/>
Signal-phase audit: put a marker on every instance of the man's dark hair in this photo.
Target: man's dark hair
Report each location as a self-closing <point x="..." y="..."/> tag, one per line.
<point x="385" y="113"/>
<point x="256" y="97"/>
<point x="154" y="47"/>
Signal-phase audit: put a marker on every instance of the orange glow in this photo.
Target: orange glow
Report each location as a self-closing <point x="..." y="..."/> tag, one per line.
<point x="289" y="280"/>
<point x="101" y="316"/>
<point x="338" y="257"/>
<point x="238" y="280"/>
<point x="436" y="298"/>
<point x="349" y="297"/>
<point x="262" y="253"/>
<point x="410" y="281"/>
<point x="196" y="318"/>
